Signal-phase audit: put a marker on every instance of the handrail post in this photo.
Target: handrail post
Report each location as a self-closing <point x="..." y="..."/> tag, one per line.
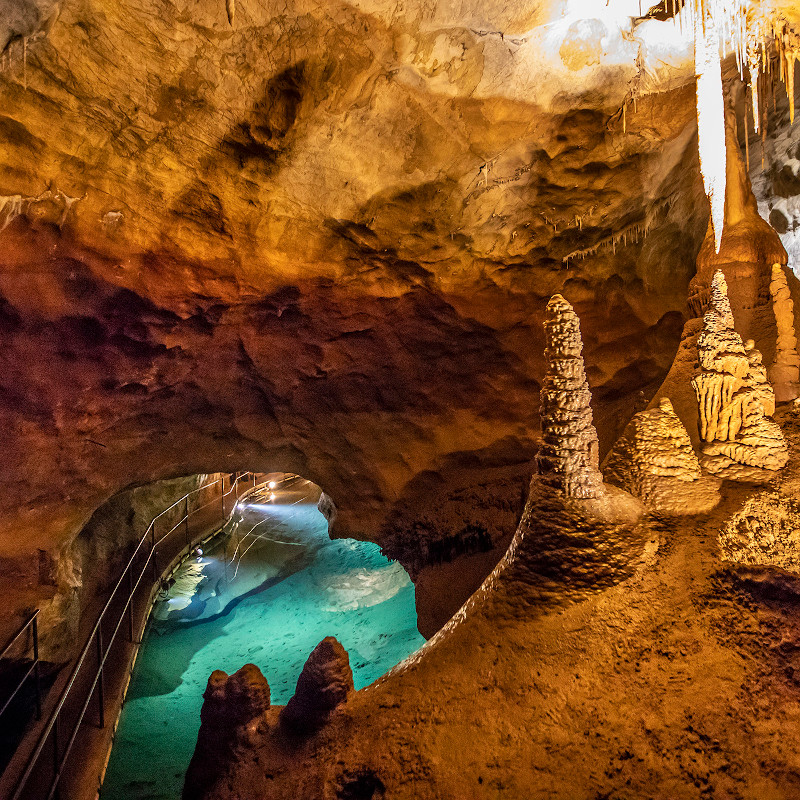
<point x="153" y="549"/>
<point x="130" y="603"/>
<point x="100" y="687"/>
<point x="186" y="519"/>
<point x="222" y="493"/>
<point x="55" y="745"/>
<point x="36" y="674"/>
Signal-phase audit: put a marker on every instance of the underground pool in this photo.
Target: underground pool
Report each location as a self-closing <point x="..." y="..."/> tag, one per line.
<point x="266" y="591"/>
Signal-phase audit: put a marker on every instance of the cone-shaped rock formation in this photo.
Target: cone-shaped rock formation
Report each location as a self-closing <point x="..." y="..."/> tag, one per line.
<point x="741" y="442"/>
<point x="654" y="460"/>
<point x="568" y="458"/>
<point x="324" y="684"/>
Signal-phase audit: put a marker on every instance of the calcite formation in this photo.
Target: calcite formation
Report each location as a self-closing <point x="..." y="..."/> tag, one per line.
<point x="749" y="248"/>
<point x="784" y="374"/>
<point x="764" y="532"/>
<point x="654" y="460"/>
<point x="569" y="456"/>
<point x="740" y="441"/>
<point x="324" y="684"/>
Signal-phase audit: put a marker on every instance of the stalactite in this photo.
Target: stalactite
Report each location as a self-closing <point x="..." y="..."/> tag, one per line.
<point x="710" y="117"/>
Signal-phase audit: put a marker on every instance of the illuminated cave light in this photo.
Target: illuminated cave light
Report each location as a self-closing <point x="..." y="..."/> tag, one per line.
<point x="710" y="115"/>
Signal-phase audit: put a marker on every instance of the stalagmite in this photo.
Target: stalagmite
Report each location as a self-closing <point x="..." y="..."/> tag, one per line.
<point x="324" y="684"/>
<point x="784" y="374"/>
<point x="568" y="457"/>
<point x="654" y="461"/>
<point x="740" y="441"/>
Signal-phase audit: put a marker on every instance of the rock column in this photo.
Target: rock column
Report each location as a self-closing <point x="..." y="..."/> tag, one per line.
<point x="784" y="374"/>
<point x="569" y="456"/>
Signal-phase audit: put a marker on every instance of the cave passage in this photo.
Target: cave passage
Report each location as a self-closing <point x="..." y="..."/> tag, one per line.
<point x="265" y="591"/>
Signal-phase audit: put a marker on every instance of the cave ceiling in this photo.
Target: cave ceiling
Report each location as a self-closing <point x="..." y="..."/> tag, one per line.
<point x="320" y="237"/>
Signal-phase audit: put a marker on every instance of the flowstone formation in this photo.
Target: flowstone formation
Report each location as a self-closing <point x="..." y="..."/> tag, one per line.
<point x="749" y="249"/>
<point x="733" y="395"/>
<point x="654" y="460"/>
<point x="568" y="459"/>
<point x="784" y="374"/>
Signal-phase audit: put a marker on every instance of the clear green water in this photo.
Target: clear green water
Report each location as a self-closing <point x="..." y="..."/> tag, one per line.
<point x="315" y="588"/>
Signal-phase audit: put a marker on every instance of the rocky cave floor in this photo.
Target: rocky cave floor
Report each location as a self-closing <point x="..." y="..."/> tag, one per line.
<point x="682" y="680"/>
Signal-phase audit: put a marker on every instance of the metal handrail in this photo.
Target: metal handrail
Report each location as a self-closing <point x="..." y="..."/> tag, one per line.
<point x="33" y="623"/>
<point x="95" y="637"/>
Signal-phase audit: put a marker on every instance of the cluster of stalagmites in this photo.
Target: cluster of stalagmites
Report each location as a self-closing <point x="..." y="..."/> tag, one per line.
<point x="654" y="459"/>
<point x="735" y="399"/>
<point x="235" y="708"/>
<point x="568" y="459"/>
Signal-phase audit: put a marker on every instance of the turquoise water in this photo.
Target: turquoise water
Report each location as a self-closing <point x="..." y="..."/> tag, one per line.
<point x="268" y="601"/>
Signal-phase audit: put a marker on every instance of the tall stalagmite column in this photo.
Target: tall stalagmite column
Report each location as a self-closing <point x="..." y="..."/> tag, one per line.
<point x="750" y="246"/>
<point x="784" y="373"/>
<point x="568" y="457"/>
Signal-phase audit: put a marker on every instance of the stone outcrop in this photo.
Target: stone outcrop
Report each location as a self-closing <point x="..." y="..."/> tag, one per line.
<point x="233" y="715"/>
<point x="740" y="441"/>
<point x="784" y="374"/>
<point x="324" y="684"/>
<point x="231" y="701"/>
<point x="654" y="460"/>
<point x="569" y="456"/>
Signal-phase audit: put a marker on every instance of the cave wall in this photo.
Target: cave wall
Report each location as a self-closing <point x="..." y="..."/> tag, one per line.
<point x="320" y="240"/>
<point x="83" y="571"/>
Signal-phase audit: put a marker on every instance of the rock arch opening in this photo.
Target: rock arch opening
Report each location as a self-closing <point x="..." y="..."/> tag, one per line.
<point x="265" y="590"/>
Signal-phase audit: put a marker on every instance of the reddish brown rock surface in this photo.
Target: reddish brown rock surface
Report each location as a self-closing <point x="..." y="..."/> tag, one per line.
<point x="324" y="684"/>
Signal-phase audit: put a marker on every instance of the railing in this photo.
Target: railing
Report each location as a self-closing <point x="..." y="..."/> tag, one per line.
<point x="43" y="774"/>
<point x="32" y="624"/>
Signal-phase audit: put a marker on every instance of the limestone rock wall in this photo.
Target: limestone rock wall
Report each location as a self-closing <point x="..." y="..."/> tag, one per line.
<point x="86" y="568"/>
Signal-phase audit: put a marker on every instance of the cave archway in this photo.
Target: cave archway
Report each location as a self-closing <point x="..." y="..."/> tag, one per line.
<point x="265" y="590"/>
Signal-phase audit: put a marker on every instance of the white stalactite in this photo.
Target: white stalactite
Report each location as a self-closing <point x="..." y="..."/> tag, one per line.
<point x="710" y="117"/>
